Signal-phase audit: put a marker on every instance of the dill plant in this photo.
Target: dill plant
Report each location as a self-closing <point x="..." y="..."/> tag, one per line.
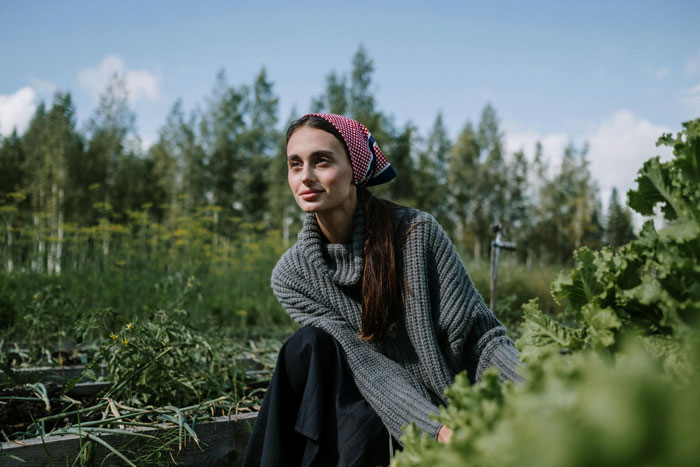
<point x="160" y="360"/>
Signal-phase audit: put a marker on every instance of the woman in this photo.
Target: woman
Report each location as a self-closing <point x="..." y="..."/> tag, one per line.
<point x="390" y="314"/>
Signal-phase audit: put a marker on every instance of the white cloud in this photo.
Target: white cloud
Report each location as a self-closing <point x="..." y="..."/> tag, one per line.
<point x="16" y="110"/>
<point x="692" y="64"/>
<point x="618" y="147"/>
<point x="553" y="144"/>
<point x="147" y="141"/>
<point x="140" y="84"/>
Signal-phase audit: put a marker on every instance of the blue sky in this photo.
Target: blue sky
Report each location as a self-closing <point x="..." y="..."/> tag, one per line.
<point x="615" y="74"/>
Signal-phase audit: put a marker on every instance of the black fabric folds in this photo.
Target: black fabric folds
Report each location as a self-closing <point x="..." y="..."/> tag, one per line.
<point x="313" y="414"/>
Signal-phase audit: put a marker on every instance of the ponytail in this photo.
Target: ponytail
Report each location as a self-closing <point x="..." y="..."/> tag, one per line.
<point x="382" y="299"/>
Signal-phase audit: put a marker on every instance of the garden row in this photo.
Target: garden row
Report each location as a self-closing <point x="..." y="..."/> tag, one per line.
<point x="171" y="398"/>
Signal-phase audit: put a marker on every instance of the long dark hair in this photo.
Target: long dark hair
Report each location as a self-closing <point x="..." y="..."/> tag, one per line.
<point x="382" y="286"/>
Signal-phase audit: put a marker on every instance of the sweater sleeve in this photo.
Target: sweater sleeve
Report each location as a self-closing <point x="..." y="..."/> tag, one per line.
<point x="476" y="339"/>
<point x="381" y="381"/>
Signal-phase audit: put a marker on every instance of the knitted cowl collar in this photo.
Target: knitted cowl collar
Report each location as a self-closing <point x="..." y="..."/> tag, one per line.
<point x="343" y="263"/>
<point x="369" y="166"/>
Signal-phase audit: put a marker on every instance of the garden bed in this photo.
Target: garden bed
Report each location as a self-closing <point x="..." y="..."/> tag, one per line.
<point x="220" y="441"/>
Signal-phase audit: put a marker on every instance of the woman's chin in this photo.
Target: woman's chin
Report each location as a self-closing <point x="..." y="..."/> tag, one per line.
<point x="308" y="207"/>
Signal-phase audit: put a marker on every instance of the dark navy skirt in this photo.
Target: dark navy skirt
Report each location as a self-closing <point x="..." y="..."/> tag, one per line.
<point x="313" y="414"/>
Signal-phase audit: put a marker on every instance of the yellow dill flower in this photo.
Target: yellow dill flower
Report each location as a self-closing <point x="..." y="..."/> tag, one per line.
<point x="113" y="336"/>
<point x="36" y="296"/>
<point x="130" y="326"/>
<point x="125" y="341"/>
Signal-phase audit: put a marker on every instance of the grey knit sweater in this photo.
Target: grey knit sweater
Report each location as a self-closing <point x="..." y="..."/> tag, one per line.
<point x="445" y="326"/>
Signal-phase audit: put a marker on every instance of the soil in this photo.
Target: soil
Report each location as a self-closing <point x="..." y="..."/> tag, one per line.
<point x="17" y="415"/>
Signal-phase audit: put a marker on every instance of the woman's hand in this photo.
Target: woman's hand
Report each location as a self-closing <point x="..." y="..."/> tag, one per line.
<point x="444" y="434"/>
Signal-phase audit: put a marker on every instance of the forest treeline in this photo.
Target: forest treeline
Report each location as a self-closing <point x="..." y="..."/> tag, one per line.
<point x="226" y="158"/>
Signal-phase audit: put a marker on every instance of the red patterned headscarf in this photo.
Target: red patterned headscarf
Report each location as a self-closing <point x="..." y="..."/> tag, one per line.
<point x="369" y="166"/>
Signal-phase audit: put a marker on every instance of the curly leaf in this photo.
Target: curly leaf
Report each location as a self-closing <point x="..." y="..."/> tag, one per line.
<point x="581" y="287"/>
<point x="646" y="293"/>
<point x="681" y="232"/>
<point x="653" y="187"/>
<point x="601" y="324"/>
<point x="543" y="335"/>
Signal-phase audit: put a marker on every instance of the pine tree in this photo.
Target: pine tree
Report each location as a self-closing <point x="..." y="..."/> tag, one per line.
<point x="431" y="186"/>
<point x="361" y="101"/>
<point x="619" y="229"/>
<point x="167" y="164"/>
<point x="463" y="184"/>
<point x="259" y="143"/>
<point x="568" y="209"/>
<point x="112" y="136"/>
<point x="490" y="189"/>
<point x="399" y="152"/>
<point x="285" y="216"/>
<point x="518" y="215"/>
<point x="13" y="177"/>
<point x="222" y="128"/>
<point x="52" y="145"/>
<point x="335" y="98"/>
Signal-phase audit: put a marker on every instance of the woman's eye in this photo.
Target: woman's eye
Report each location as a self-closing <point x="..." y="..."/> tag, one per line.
<point x="294" y="164"/>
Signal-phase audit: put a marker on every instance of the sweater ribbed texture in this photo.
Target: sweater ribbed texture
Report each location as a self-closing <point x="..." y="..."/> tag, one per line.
<point x="445" y="326"/>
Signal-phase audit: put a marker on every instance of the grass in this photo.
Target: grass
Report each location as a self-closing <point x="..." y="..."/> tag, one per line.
<point x="137" y="268"/>
<point x="124" y="289"/>
<point x="517" y="283"/>
<point x="134" y="269"/>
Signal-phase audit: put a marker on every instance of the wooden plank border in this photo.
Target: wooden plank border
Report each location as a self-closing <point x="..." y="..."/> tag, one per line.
<point x="223" y="442"/>
<point x="56" y="374"/>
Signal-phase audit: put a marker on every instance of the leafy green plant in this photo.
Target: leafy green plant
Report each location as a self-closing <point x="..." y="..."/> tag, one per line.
<point x="574" y="410"/>
<point x="651" y="285"/>
<point x="612" y="382"/>
<point x="43" y="327"/>
<point x="161" y="361"/>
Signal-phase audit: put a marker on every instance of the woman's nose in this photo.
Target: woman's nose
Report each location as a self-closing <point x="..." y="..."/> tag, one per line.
<point x="307" y="174"/>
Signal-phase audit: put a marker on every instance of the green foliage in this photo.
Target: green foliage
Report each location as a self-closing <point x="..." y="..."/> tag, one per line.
<point x="543" y="335"/>
<point x="137" y="268"/>
<point x="229" y="153"/>
<point x="160" y="360"/>
<point x="46" y="319"/>
<point x="517" y="284"/>
<point x="674" y="185"/>
<point x="619" y="228"/>
<point x="576" y="410"/>
<point x="650" y="286"/>
<point x="431" y="188"/>
<point x="613" y="382"/>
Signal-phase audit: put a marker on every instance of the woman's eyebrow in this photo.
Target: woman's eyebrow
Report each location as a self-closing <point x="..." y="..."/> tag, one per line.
<point x="322" y="152"/>
<point x="317" y="153"/>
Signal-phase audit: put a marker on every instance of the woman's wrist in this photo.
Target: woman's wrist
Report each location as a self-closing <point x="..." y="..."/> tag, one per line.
<point x="444" y="434"/>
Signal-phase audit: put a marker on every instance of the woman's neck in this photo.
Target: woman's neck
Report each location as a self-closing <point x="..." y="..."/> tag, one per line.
<point x="336" y="224"/>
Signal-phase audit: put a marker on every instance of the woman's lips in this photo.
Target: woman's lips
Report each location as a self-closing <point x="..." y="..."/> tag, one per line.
<point x="309" y="195"/>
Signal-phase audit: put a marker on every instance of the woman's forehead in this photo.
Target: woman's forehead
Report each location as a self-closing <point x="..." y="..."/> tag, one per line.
<point x="307" y="140"/>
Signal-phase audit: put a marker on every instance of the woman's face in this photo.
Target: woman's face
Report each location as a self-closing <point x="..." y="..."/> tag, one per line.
<point x="319" y="171"/>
